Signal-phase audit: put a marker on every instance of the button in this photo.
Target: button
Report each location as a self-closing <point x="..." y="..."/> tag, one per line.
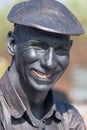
<point x="44" y="121"/>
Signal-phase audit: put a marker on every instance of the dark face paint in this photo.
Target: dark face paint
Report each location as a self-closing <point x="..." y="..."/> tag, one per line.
<point x="40" y="58"/>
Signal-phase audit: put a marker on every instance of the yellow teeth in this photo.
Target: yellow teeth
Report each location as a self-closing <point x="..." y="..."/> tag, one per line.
<point x="41" y="75"/>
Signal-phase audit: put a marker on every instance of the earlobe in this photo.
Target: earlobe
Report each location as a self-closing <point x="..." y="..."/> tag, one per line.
<point x="11" y="43"/>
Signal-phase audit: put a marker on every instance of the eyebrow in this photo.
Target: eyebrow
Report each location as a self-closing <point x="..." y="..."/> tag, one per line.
<point x="37" y="42"/>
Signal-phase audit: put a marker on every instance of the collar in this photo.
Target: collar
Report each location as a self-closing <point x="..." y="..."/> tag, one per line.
<point x="17" y="106"/>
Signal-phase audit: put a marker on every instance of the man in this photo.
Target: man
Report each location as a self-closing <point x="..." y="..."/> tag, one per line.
<point x="40" y="46"/>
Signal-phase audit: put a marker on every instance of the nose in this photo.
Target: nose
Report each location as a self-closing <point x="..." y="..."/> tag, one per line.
<point x="49" y="59"/>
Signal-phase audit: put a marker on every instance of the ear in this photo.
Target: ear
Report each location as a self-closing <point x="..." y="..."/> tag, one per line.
<point x="11" y="43"/>
<point x="70" y="43"/>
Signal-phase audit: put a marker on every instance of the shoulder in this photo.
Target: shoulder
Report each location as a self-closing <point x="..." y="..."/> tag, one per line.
<point x="65" y="107"/>
<point x="4" y="83"/>
<point x="71" y="115"/>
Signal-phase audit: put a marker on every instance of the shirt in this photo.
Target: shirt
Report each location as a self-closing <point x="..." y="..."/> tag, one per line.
<point x="59" y="115"/>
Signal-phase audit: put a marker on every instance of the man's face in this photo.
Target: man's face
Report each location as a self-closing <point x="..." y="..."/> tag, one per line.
<point x="41" y="58"/>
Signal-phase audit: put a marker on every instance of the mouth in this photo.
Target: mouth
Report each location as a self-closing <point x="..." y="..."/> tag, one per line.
<point x="41" y="75"/>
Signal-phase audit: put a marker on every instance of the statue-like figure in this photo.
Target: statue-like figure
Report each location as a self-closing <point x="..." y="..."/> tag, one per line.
<point x="40" y="48"/>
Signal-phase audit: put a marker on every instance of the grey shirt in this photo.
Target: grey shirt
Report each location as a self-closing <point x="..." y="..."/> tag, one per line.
<point x="59" y="115"/>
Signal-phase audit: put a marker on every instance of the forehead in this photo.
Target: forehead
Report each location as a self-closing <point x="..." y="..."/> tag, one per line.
<point x="24" y="33"/>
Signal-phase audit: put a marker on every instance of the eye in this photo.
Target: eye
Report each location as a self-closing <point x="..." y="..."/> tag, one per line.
<point x="61" y="49"/>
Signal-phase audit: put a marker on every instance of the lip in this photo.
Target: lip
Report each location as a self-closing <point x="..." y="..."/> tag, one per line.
<point x="45" y="78"/>
<point x="41" y="74"/>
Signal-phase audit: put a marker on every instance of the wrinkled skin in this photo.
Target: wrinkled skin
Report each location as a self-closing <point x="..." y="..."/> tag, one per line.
<point x="40" y="58"/>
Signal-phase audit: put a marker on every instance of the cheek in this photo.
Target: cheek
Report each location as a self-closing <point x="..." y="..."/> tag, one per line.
<point x="29" y="56"/>
<point x="64" y="61"/>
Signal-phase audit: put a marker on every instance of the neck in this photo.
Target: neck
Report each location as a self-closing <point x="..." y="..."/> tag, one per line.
<point x="36" y="98"/>
<point x="36" y="101"/>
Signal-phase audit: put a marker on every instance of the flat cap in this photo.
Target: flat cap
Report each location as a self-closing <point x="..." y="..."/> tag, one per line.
<point x="47" y="15"/>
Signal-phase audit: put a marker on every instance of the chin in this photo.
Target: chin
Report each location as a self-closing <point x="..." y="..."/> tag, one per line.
<point x="37" y="86"/>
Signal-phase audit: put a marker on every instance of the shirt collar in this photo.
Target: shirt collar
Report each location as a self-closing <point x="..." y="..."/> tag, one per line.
<point x="17" y="107"/>
<point x="15" y="103"/>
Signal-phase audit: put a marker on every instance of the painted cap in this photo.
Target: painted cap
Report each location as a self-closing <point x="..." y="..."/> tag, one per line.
<point x="47" y="15"/>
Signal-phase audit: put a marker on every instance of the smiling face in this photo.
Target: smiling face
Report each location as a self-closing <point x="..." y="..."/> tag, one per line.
<point x="41" y="58"/>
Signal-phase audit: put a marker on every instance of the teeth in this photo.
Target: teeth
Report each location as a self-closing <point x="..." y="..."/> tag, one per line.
<point x="41" y="75"/>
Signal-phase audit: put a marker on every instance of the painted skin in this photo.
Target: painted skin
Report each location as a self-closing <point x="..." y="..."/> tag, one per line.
<point x="41" y="58"/>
